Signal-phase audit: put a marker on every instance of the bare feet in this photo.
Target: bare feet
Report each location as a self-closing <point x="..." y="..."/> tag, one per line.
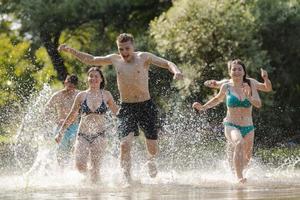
<point x="126" y="178"/>
<point x="152" y="169"/>
<point x="242" y="180"/>
<point x="94" y="180"/>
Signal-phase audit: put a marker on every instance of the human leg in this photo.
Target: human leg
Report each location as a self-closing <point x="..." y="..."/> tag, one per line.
<point x="96" y="152"/>
<point x="229" y="152"/>
<point x="148" y="121"/>
<point x="152" y="148"/>
<point x="235" y="138"/>
<point x="66" y="145"/>
<point x="125" y="157"/>
<point x="81" y="154"/>
<point x="248" y="139"/>
<point x="127" y="129"/>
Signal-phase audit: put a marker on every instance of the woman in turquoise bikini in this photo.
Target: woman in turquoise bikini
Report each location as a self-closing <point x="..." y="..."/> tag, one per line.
<point x="241" y="94"/>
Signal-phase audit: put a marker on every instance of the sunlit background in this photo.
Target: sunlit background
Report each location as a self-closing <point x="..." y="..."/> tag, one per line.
<point x="200" y="36"/>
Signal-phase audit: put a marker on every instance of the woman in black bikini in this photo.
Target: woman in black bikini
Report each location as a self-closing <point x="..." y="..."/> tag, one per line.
<point x="92" y="105"/>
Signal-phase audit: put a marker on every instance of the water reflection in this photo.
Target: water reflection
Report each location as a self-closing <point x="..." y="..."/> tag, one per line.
<point x="164" y="192"/>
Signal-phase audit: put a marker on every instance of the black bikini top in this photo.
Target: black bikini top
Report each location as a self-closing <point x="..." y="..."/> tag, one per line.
<point x="100" y="110"/>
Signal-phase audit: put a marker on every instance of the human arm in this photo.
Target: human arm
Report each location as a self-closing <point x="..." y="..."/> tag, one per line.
<point x="112" y="104"/>
<point x="213" y="102"/>
<point x="70" y="118"/>
<point x="85" y="57"/>
<point x="215" y="84"/>
<point x="266" y="86"/>
<point x="163" y="63"/>
<point x="252" y="95"/>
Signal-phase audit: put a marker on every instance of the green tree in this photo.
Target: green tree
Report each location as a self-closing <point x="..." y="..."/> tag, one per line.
<point x="203" y="37"/>
<point x="279" y="23"/>
<point x="262" y="33"/>
<point x="279" y="28"/>
<point x="19" y="77"/>
<point x="45" y="21"/>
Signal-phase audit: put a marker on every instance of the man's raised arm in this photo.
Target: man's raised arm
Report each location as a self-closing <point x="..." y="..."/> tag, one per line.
<point x="85" y="57"/>
<point x="161" y="62"/>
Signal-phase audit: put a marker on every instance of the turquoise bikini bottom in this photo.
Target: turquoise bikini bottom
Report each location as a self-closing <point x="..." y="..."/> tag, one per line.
<point x="243" y="129"/>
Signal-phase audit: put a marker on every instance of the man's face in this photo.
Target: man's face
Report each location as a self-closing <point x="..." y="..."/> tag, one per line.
<point x="69" y="86"/>
<point x="126" y="50"/>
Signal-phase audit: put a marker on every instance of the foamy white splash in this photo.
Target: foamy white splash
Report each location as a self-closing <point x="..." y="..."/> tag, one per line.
<point x="189" y="157"/>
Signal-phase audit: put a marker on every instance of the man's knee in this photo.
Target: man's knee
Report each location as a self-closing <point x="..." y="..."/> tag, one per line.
<point x="152" y="147"/>
<point x="125" y="143"/>
<point x="125" y="147"/>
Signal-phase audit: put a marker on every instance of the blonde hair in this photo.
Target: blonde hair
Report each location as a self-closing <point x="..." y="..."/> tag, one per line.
<point x="125" y="37"/>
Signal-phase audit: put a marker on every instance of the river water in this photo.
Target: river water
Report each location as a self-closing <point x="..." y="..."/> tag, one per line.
<point x="191" y="165"/>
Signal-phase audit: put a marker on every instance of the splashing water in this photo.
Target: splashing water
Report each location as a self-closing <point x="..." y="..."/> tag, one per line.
<point x="33" y="131"/>
<point x="191" y="164"/>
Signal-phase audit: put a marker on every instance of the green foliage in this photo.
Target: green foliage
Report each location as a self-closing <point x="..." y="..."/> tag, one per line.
<point x="19" y="77"/>
<point x="16" y="81"/>
<point x="90" y="26"/>
<point x="99" y="21"/>
<point x="279" y="27"/>
<point x="205" y="36"/>
<point x="198" y="35"/>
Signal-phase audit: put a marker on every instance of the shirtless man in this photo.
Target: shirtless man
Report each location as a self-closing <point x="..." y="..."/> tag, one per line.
<point x="59" y="107"/>
<point x="137" y="108"/>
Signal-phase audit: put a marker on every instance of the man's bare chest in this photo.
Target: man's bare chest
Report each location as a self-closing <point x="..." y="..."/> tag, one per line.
<point x="132" y="71"/>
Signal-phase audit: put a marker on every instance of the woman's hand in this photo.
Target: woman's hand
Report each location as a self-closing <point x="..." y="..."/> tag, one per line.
<point x="264" y="74"/>
<point x="197" y="106"/>
<point x="58" y="137"/>
<point x="246" y="89"/>
<point x="178" y="76"/>
<point x="64" y="47"/>
<point x="211" y="83"/>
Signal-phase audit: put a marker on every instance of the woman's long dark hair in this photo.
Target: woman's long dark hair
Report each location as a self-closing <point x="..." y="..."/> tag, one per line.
<point x="239" y="62"/>
<point x="102" y="84"/>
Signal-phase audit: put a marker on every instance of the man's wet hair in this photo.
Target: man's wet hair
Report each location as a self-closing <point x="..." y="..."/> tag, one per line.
<point x="72" y="79"/>
<point x="125" y="37"/>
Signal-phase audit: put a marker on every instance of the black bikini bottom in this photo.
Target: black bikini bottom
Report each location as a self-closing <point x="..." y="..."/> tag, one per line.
<point x="91" y="137"/>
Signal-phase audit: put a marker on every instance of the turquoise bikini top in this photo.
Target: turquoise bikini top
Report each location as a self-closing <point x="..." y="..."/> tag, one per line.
<point x="233" y="102"/>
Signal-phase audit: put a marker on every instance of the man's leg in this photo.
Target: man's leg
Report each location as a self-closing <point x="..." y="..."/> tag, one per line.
<point x="148" y="121"/>
<point x="65" y="148"/>
<point x="152" y="148"/>
<point x="126" y="144"/>
<point x="64" y="152"/>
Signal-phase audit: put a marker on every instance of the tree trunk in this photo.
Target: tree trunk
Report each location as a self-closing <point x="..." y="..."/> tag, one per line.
<point x="51" y="46"/>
